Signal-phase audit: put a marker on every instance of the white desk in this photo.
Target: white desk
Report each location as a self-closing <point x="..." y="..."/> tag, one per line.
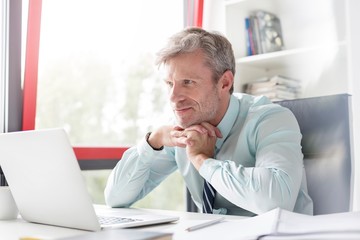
<point x="16" y="229"/>
<point x="345" y="225"/>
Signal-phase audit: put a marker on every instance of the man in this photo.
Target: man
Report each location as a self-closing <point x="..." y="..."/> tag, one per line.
<point x="243" y="150"/>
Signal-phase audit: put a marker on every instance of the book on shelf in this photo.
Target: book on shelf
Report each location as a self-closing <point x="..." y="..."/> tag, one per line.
<point x="274" y="81"/>
<point x="276" y="88"/>
<point x="248" y="35"/>
<point x="284" y="80"/>
<point x="264" y="34"/>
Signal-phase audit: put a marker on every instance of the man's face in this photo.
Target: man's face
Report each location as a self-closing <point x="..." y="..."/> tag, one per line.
<point x="194" y="96"/>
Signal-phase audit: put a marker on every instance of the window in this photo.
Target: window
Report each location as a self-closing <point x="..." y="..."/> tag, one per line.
<point x="3" y="61"/>
<point x="97" y="78"/>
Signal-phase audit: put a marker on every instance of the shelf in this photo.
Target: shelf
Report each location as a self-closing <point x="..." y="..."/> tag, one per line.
<point x="288" y="58"/>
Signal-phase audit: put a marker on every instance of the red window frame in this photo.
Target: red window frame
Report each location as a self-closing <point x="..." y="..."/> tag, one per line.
<point x="198" y="12"/>
<point x="31" y="80"/>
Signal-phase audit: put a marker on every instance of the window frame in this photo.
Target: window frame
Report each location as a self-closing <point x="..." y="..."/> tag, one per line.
<point x="88" y="157"/>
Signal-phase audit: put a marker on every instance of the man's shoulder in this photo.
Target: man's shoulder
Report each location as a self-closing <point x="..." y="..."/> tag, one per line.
<point x="257" y="104"/>
<point x="251" y="101"/>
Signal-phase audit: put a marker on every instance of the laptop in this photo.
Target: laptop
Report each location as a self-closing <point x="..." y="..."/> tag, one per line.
<point x="46" y="182"/>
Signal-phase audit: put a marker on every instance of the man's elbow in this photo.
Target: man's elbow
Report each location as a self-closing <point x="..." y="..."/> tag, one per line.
<point x="115" y="202"/>
<point x="111" y="198"/>
<point x="268" y="204"/>
<point x="284" y="198"/>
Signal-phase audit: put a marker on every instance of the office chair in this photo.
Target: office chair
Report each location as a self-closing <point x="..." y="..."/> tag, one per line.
<point x="325" y="123"/>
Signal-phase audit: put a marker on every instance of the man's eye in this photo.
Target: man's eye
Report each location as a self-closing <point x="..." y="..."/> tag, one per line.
<point x="169" y="83"/>
<point x="187" y="82"/>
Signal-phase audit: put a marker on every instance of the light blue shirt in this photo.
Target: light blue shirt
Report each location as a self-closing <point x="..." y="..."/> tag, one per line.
<point x="258" y="164"/>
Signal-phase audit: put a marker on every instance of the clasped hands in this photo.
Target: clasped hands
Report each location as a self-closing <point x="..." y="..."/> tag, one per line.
<point x="199" y="140"/>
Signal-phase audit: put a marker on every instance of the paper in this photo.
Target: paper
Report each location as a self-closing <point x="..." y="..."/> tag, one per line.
<point x="248" y="228"/>
<point x="290" y="222"/>
<point x="281" y="224"/>
<point x="116" y="234"/>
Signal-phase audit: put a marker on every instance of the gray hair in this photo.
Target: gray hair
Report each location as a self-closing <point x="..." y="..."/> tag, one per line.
<point x="218" y="50"/>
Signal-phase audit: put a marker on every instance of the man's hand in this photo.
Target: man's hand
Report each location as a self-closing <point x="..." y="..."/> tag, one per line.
<point x="170" y="136"/>
<point x="200" y="142"/>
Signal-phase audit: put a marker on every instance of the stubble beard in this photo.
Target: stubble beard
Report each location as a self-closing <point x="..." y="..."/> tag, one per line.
<point x="199" y="116"/>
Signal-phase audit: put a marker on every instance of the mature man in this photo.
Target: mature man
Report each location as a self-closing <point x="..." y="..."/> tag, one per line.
<point x="238" y="154"/>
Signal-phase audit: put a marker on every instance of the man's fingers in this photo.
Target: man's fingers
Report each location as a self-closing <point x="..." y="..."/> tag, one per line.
<point x="218" y="133"/>
<point x="212" y="130"/>
<point x="198" y="128"/>
<point x="178" y="137"/>
<point x="187" y="137"/>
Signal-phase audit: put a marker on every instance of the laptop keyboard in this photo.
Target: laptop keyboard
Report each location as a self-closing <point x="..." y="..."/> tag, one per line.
<point x="107" y="220"/>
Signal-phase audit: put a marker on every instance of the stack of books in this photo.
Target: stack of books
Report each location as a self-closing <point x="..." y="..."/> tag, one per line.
<point x="276" y="88"/>
<point x="263" y="33"/>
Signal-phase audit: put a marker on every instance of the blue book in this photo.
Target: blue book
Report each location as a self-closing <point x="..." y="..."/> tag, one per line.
<point x="248" y="37"/>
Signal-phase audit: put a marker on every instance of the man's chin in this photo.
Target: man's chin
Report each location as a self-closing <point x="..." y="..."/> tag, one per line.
<point x="182" y="125"/>
<point x="186" y="124"/>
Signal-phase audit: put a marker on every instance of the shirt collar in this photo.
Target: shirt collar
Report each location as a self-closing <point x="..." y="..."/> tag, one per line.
<point x="228" y="121"/>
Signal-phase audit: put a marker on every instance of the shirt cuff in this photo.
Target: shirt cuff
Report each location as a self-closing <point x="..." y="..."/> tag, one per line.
<point x="208" y="168"/>
<point x="144" y="149"/>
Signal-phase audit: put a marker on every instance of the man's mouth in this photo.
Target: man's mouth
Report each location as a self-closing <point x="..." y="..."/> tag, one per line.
<point x="182" y="110"/>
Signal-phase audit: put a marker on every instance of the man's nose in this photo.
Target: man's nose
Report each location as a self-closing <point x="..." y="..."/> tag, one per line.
<point x="176" y="93"/>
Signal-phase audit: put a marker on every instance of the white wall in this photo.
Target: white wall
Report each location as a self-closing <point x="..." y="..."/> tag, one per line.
<point x="353" y="8"/>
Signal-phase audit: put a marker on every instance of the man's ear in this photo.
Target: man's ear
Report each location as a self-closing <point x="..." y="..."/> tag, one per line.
<point x="227" y="80"/>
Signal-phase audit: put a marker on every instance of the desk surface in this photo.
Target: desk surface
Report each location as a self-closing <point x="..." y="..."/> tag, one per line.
<point x="18" y="229"/>
<point x="332" y="226"/>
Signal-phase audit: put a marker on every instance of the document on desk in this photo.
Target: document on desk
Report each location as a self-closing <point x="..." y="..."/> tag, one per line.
<point x="121" y="234"/>
<point x="282" y="224"/>
<point x="247" y="228"/>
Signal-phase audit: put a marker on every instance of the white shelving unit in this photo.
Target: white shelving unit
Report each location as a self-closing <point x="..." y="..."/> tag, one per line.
<point x="321" y="50"/>
<point x="315" y="43"/>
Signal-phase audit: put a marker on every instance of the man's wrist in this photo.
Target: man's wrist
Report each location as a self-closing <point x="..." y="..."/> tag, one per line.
<point x="199" y="160"/>
<point x="154" y="147"/>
